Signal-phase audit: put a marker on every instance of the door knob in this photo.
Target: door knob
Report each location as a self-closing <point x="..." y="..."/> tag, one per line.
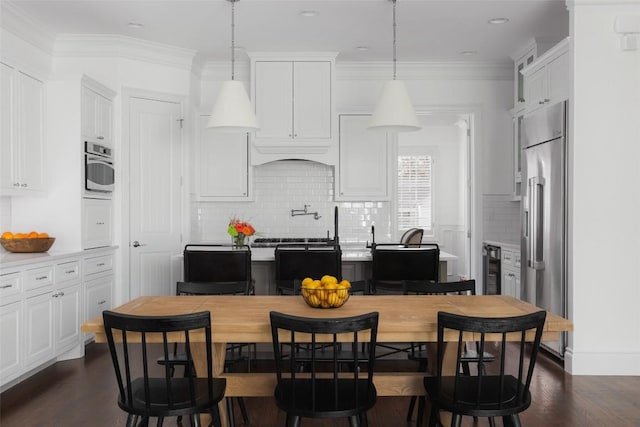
<point x="135" y="244"/>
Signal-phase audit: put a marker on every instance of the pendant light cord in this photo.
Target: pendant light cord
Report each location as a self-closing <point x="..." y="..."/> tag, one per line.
<point x="394" y="39"/>
<point x="233" y="40"/>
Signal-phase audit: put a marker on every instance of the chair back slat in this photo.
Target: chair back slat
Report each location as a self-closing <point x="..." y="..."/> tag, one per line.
<point x="393" y="264"/>
<point x="320" y="393"/>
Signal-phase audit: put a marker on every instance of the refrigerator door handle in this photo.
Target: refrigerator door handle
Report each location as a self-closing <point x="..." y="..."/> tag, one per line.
<point x="536" y="225"/>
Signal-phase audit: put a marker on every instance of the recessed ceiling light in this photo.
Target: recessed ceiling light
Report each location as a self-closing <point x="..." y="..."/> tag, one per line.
<point x="498" y="21"/>
<point x="308" y="13"/>
<point x="469" y="52"/>
<point x="136" y="25"/>
<point x="362" y="48"/>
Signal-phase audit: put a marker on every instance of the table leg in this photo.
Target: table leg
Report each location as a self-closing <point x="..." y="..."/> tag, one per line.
<point x="200" y="362"/>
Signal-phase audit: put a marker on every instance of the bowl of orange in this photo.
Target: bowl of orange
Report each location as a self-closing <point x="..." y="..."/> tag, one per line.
<point x="32" y="242"/>
<point x="327" y="292"/>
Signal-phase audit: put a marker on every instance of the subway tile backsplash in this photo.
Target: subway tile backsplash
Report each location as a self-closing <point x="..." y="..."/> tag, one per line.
<point x="282" y="186"/>
<point x="501" y="219"/>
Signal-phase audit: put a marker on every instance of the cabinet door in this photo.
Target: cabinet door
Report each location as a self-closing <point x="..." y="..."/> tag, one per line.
<point x="68" y="317"/>
<point x="89" y="111"/>
<point x="10" y="337"/>
<point x="559" y="78"/>
<point x="520" y="64"/>
<point x="97" y="223"/>
<point x="38" y="320"/>
<point x="31" y="140"/>
<point x="98" y="296"/>
<point x="223" y="164"/>
<point x="312" y="99"/>
<point x="273" y="99"/>
<point x="8" y="172"/>
<point x="103" y="120"/>
<point x="363" y="169"/>
<point x="536" y="89"/>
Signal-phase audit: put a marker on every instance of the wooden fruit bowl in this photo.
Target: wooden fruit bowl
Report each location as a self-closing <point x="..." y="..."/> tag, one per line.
<point x="39" y="244"/>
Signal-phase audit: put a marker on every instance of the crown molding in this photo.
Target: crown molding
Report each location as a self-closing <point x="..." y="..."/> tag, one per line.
<point x="115" y="46"/>
<point x="424" y="71"/>
<point x="15" y="21"/>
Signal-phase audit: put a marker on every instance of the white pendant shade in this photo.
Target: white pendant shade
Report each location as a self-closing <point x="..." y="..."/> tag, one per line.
<point x="394" y="111"/>
<point x="232" y="111"/>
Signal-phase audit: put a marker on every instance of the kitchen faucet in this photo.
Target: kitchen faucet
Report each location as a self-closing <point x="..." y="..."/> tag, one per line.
<point x="296" y="212"/>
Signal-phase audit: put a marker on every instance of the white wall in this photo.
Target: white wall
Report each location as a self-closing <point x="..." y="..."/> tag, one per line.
<point x="604" y="254"/>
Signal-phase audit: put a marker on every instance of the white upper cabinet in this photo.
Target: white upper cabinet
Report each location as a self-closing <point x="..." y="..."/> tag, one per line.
<point x="97" y="116"/>
<point x="222" y="159"/>
<point x="548" y="79"/>
<point x="363" y="172"/>
<point x="22" y="150"/>
<point x="293" y="99"/>
<point x="521" y="60"/>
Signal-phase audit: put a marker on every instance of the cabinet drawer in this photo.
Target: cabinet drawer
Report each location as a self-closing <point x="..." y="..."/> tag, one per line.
<point x="516" y="260"/>
<point x="98" y="264"/>
<point x="10" y="284"/>
<point x="68" y="271"/>
<point x="38" y="277"/>
<point x="507" y="257"/>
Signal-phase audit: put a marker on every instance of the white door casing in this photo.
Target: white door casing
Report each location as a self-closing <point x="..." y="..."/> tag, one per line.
<point x="155" y="138"/>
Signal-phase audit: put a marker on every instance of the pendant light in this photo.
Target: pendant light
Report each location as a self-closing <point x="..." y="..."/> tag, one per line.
<point x="394" y="111"/>
<point x="233" y="111"/>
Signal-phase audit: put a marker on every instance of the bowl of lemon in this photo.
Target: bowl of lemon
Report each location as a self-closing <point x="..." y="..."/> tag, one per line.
<point x="326" y="292"/>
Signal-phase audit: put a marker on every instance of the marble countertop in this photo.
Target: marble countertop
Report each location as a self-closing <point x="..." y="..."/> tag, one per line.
<point x="9" y="259"/>
<point x="352" y="253"/>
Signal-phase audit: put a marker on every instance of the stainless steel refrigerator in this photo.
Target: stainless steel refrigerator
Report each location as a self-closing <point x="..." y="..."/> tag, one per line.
<point x="544" y="207"/>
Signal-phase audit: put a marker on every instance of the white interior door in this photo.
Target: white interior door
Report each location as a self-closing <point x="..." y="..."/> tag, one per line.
<point x="154" y="197"/>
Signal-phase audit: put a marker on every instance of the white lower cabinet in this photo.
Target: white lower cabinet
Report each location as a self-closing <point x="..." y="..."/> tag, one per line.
<point x="97" y="220"/>
<point x="38" y="321"/>
<point x="510" y="264"/>
<point x="10" y="336"/>
<point x="42" y="306"/>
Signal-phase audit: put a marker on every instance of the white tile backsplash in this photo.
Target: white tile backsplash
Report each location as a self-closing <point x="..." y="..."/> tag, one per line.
<point x="282" y="186"/>
<point x="501" y="219"/>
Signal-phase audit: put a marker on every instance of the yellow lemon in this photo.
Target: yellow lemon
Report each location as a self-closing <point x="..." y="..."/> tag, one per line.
<point x="326" y="279"/>
<point x="345" y="284"/>
<point x="306" y="281"/>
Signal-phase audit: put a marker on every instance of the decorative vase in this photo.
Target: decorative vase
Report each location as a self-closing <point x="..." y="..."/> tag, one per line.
<point x="240" y="240"/>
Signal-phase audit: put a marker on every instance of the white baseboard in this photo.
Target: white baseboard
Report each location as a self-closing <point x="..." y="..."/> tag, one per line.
<point x="602" y="363"/>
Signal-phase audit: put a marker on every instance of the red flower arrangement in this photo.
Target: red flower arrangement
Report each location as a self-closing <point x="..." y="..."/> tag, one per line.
<point x="240" y="231"/>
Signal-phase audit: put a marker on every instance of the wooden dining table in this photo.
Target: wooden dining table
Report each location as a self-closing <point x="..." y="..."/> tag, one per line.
<point x="403" y="319"/>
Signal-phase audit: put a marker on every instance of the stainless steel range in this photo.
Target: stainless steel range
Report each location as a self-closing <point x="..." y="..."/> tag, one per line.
<point x="271" y="242"/>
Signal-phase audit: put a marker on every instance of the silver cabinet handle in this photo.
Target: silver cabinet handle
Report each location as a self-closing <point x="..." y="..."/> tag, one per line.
<point x="100" y="137"/>
<point x="99" y="223"/>
<point x="6" y="286"/>
<point x="42" y="277"/>
<point x="24" y="185"/>
<point x="135" y="244"/>
<point x="16" y="184"/>
<point x="69" y="272"/>
<point x="56" y="295"/>
<point x="101" y="264"/>
<point x="101" y="302"/>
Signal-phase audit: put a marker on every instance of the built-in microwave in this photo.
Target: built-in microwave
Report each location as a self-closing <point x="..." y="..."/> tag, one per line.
<point x="99" y="173"/>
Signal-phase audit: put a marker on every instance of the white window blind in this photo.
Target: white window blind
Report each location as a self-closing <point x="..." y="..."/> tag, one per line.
<point x="414" y="192"/>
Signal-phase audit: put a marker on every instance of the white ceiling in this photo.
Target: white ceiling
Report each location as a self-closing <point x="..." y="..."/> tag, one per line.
<point x="427" y="30"/>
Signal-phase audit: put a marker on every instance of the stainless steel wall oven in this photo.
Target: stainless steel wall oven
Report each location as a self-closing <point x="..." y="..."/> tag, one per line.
<point x="99" y="172"/>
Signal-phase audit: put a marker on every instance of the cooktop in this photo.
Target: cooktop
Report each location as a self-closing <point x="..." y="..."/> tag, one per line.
<point x="269" y="242"/>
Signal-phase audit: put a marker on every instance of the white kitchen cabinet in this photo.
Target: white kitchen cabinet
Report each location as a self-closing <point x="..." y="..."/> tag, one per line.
<point x="518" y="139"/>
<point x="68" y="305"/>
<point x="10" y="337"/>
<point x="363" y="172"/>
<point x="263" y="274"/>
<point x="39" y="323"/>
<point x="97" y="223"/>
<point x="97" y="117"/>
<point x="222" y="165"/>
<point x="293" y="100"/>
<point x="521" y="60"/>
<point x="510" y="264"/>
<point x="22" y="151"/>
<point x="98" y="281"/>
<point x="547" y="80"/>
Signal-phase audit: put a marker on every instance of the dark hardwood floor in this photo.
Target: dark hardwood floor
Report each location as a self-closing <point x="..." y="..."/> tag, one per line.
<point x="82" y="393"/>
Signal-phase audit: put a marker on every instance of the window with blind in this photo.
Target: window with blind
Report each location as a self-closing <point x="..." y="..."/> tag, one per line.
<point x="415" y="192"/>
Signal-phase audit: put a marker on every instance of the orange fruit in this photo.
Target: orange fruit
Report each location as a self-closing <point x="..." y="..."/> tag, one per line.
<point x="19" y="236"/>
<point x="33" y="235"/>
<point x="43" y="235"/>
<point x="7" y="235"/>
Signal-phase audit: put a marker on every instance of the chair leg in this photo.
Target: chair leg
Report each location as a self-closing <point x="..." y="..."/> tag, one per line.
<point x="492" y="422"/>
<point x="231" y="412"/>
<point x="243" y="409"/>
<point x="354" y="421"/>
<point x="433" y="416"/>
<point x="456" y="420"/>
<point x="412" y="405"/>
<point x="293" y="421"/>
<point x="160" y="422"/>
<point x="195" y="420"/>
<point x="421" y="404"/>
<point x="364" y="420"/>
<point x="132" y="420"/>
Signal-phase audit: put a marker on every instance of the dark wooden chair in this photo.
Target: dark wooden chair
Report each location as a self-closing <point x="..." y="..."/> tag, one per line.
<point x="159" y="394"/>
<point x="316" y="394"/>
<point x="295" y="262"/>
<point x="216" y="270"/>
<point x="503" y="394"/>
<point x="419" y="352"/>
<point x="392" y="265"/>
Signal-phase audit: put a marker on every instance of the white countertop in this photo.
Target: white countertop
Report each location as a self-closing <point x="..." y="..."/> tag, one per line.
<point x="348" y="254"/>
